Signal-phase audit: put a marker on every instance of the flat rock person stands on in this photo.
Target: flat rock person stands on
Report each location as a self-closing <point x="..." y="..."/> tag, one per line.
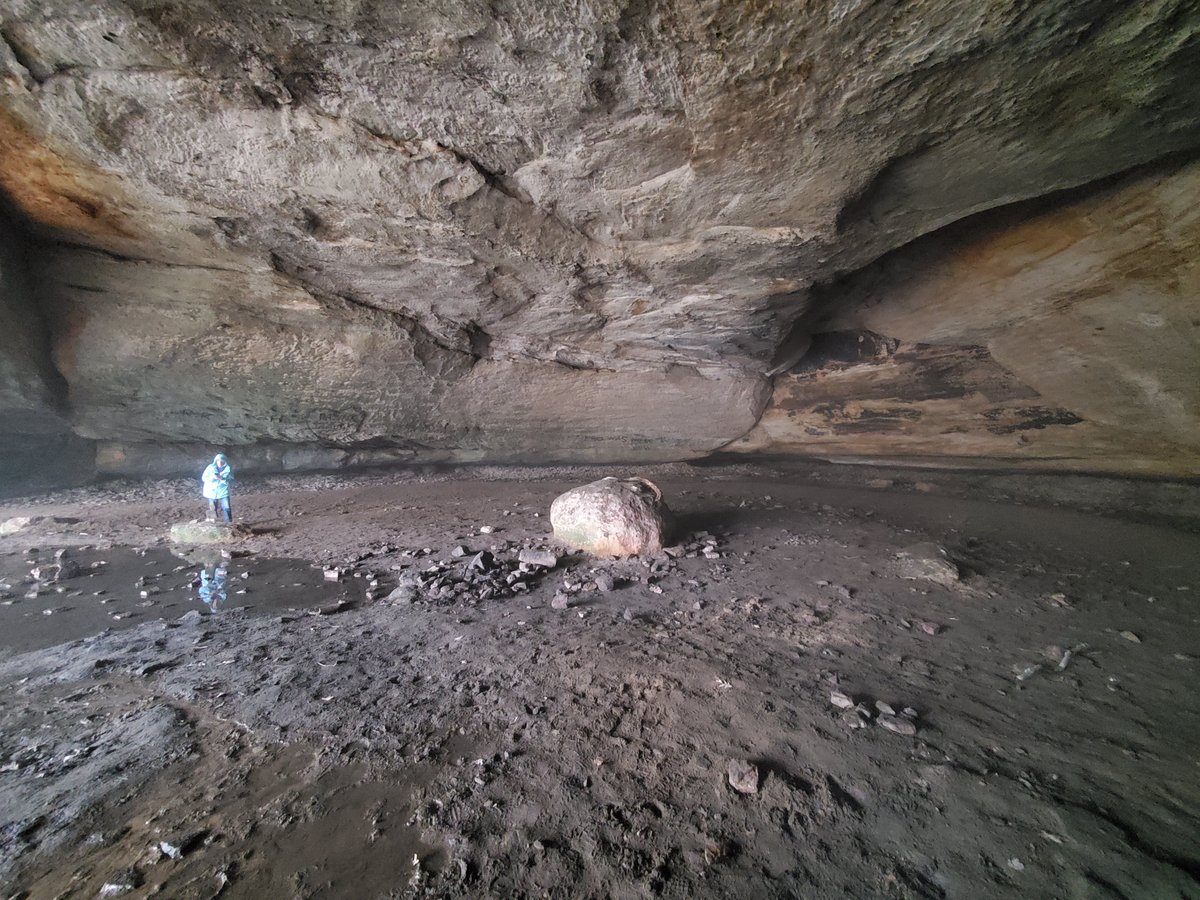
<point x="215" y="481"/>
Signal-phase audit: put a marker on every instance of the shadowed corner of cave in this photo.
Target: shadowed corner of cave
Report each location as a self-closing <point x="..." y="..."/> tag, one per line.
<point x="577" y="450"/>
<point x="37" y="444"/>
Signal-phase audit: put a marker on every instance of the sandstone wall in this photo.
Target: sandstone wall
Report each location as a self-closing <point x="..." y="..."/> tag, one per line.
<point x="535" y="231"/>
<point x="1067" y="339"/>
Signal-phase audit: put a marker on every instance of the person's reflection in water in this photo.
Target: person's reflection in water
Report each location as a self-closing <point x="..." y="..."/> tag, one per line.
<point x="212" y="586"/>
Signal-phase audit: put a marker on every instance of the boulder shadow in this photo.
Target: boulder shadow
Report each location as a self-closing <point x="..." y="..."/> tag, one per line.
<point x="714" y="520"/>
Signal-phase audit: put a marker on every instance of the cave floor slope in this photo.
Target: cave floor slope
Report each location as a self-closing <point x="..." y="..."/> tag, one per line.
<point x="346" y="740"/>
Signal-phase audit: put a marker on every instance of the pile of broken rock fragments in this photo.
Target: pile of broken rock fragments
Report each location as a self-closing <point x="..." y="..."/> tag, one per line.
<point x="467" y="576"/>
<point x="858" y="714"/>
<point x="474" y="577"/>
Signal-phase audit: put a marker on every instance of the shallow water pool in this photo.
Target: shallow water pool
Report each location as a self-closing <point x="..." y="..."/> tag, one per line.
<point x="122" y="587"/>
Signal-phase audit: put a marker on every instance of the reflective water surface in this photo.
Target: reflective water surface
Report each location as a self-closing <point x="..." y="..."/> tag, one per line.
<point x="48" y="597"/>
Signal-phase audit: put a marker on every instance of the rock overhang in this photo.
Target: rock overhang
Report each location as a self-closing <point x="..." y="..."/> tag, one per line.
<point x="534" y="234"/>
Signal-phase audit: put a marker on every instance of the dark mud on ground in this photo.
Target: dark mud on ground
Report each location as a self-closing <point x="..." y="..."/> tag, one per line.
<point x="505" y="748"/>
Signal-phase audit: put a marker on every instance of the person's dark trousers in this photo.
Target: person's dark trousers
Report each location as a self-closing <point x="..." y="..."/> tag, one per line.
<point x="220" y="509"/>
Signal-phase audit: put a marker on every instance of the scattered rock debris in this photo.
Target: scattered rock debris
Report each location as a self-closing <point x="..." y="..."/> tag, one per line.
<point x="547" y="559"/>
<point x="928" y="562"/>
<point x="860" y="713"/>
<point x="742" y="776"/>
<point x="486" y="575"/>
<point x="841" y="701"/>
<point x="579" y="746"/>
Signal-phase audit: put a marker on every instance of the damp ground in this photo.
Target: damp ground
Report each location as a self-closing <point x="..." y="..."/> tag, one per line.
<point x="123" y="587"/>
<point x="314" y="746"/>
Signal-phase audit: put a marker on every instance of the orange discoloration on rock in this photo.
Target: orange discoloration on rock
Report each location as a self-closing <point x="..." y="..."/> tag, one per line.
<point x="69" y="328"/>
<point x="55" y="190"/>
<point x="1007" y="252"/>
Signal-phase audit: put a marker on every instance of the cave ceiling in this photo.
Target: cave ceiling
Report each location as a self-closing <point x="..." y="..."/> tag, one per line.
<point x="352" y="230"/>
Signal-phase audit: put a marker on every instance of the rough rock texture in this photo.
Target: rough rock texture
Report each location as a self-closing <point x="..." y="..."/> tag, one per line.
<point x="36" y="442"/>
<point x="612" y="517"/>
<point x="1068" y="338"/>
<point x="927" y="561"/>
<point x="335" y="231"/>
<point x="197" y="532"/>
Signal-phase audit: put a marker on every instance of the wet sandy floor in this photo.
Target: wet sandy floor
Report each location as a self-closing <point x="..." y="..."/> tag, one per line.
<point x="506" y="748"/>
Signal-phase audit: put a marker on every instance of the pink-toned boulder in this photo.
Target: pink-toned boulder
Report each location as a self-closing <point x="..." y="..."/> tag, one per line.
<point x="612" y="517"/>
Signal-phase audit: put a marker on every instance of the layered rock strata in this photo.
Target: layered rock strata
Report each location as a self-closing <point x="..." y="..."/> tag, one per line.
<point x="1062" y="339"/>
<point x="318" y="233"/>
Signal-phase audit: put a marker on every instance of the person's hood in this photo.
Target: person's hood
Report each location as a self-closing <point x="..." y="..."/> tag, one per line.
<point x="220" y="460"/>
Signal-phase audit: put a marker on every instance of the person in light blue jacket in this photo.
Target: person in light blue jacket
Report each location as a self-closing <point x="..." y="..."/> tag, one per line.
<point x="215" y="481"/>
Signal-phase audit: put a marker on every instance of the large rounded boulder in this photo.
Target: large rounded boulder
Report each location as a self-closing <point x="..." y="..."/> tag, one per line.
<point x="612" y="517"/>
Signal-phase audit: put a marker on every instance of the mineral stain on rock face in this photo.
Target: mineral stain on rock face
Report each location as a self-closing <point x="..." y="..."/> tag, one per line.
<point x="56" y="191"/>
